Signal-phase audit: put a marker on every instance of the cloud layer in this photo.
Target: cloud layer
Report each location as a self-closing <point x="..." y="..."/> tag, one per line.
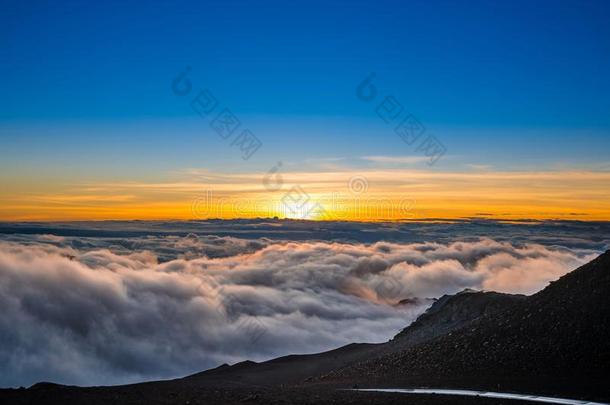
<point x="102" y="311"/>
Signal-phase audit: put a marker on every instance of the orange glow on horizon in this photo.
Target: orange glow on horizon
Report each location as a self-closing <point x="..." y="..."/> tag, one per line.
<point x="389" y="195"/>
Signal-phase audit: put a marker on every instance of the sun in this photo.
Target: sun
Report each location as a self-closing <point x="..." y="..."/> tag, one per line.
<point x="310" y="210"/>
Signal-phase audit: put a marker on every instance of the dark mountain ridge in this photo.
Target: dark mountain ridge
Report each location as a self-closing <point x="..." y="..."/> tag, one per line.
<point x="559" y="334"/>
<point x="451" y="312"/>
<point x="448" y="313"/>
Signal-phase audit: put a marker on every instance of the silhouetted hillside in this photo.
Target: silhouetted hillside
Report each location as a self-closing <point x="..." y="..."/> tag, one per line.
<point x="451" y="312"/>
<point x="561" y="333"/>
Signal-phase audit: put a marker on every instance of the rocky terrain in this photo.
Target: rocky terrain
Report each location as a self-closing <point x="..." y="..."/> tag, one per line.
<point x="555" y="342"/>
<point x="558" y="336"/>
<point x="166" y="393"/>
<point x="451" y="312"/>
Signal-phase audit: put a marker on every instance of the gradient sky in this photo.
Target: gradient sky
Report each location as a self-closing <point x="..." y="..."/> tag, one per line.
<point x="518" y="92"/>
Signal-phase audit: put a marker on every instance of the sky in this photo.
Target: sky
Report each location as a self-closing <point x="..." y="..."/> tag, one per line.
<point x="467" y="142"/>
<point x="516" y="93"/>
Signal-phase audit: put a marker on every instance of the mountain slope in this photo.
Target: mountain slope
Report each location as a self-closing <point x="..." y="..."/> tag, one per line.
<point x="561" y="333"/>
<point x="292" y="369"/>
<point x="452" y="312"/>
<point x="447" y="314"/>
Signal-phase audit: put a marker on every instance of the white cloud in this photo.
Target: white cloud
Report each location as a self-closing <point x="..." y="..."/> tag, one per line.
<point x="100" y="311"/>
<point x="403" y="160"/>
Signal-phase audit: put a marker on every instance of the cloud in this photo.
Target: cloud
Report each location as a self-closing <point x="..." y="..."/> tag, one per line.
<point x="402" y="160"/>
<point x="479" y="166"/>
<point x="116" y="310"/>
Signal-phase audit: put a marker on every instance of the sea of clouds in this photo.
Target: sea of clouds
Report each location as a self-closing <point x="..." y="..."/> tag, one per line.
<point x="107" y="310"/>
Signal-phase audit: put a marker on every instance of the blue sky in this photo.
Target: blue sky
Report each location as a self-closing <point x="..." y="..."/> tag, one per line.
<point x="86" y="87"/>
